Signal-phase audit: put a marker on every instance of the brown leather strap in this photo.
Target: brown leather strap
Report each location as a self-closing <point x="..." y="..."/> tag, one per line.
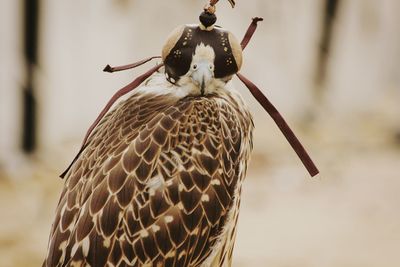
<point x="281" y="123"/>
<point x="133" y="85"/>
<point x="110" y="69"/>
<point x="210" y="7"/>
<point x="273" y="112"/>
<point x="250" y="31"/>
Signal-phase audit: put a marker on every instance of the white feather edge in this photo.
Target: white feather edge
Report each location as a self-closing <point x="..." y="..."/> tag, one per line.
<point x="158" y="85"/>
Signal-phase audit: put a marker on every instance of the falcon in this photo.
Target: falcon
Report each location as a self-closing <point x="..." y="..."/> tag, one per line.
<point x="159" y="177"/>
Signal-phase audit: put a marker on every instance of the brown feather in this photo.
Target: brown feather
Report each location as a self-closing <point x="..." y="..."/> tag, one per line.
<point x="158" y="183"/>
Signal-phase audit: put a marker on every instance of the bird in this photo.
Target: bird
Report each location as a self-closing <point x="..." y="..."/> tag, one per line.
<point x="159" y="180"/>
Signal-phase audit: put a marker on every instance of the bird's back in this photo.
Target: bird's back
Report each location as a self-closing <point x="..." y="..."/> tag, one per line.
<point x="157" y="185"/>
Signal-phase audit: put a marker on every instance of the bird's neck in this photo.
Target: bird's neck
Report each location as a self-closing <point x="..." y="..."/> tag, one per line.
<point x="157" y="84"/>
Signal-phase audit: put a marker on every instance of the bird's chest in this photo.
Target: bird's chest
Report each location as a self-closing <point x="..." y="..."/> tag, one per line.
<point x="210" y="157"/>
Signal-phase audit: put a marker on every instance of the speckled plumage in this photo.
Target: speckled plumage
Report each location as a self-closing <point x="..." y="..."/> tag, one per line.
<point x="158" y="183"/>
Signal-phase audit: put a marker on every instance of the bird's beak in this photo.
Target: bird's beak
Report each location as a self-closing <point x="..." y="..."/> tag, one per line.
<point x="202" y="86"/>
<point x="202" y="76"/>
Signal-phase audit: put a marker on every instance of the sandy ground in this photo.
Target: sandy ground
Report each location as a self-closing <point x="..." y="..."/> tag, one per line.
<point x="347" y="217"/>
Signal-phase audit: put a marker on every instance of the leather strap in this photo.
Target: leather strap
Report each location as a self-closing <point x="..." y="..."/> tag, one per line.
<point x="281" y="123"/>
<point x="250" y="31"/>
<point x="273" y="112"/>
<point x="110" y="69"/>
<point x="133" y="85"/>
<point x="210" y="7"/>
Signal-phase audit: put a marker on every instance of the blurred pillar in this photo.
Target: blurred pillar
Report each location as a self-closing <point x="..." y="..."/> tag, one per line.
<point x="31" y="21"/>
<point x="327" y="37"/>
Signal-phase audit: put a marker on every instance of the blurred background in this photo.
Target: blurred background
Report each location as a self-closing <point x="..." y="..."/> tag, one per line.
<point x="332" y="67"/>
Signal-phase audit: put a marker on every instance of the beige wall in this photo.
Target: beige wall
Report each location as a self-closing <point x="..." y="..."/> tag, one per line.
<point x="79" y="37"/>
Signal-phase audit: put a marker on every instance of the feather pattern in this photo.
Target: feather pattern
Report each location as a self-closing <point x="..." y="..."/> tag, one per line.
<point x="158" y="183"/>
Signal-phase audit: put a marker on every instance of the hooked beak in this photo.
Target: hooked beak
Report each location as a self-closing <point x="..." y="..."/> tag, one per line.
<point x="202" y="86"/>
<point x="202" y="76"/>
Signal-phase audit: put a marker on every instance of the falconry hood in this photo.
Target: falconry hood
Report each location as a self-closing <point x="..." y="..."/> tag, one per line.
<point x="183" y="42"/>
